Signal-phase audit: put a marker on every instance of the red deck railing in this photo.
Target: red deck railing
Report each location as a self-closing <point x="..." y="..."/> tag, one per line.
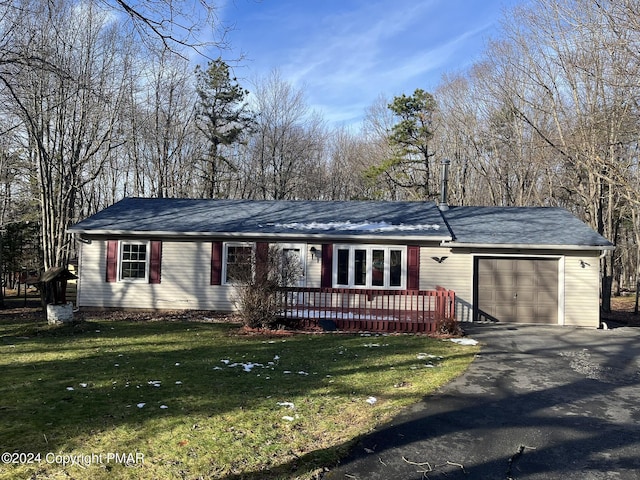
<point x="370" y="310"/>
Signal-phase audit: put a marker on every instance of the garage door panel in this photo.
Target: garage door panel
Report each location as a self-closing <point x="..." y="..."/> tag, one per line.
<point x="526" y="295"/>
<point x="522" y="290"/>
<point x="504" y="295"/>
<point x="548" y="286"/>
<point x="524" y="315"/>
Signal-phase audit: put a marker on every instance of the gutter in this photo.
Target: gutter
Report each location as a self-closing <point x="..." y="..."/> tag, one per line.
<point x="527" y="246"/>
<point x="255" y="235"/>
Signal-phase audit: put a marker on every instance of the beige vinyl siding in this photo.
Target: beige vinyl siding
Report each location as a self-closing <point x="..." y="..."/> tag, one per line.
<point x="582" y="289"/>
<point x="453" y="273"/>
<point x="186" y="273"/>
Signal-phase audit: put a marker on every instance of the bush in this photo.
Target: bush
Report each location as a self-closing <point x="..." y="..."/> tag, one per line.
<point x="449" y="326"/>
<point x="257" y="306"/>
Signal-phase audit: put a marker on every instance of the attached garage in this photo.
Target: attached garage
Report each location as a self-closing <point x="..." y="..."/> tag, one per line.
<point x="523" y="265"/>
<point x="515" y="289"/>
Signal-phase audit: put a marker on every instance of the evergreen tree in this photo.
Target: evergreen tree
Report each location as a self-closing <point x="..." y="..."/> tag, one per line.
<point x="410" y="166"/>
<point x="223" y="117"/>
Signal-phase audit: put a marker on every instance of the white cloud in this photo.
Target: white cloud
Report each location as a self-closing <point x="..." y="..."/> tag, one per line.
<point x="345" y="54"/>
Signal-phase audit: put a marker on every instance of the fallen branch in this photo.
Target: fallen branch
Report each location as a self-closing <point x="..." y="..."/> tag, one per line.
<point x="422" y="464"/>
<point x="457" y="465"/>
<point x="515" y="457"/>
<point x="424" y="471"/>
<point x="431" y="469"/>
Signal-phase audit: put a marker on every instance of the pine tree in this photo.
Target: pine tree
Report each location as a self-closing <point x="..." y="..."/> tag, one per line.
<point x="223" y="117"/>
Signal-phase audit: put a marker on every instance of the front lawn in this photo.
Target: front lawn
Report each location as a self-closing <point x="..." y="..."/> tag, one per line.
<point x="189" y="400"/>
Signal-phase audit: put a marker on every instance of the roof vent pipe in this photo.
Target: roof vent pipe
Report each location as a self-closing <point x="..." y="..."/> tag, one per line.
<point x="444" y="205"/>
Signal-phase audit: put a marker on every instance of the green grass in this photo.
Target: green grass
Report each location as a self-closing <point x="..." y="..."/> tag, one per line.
<point x="220" y="421"/>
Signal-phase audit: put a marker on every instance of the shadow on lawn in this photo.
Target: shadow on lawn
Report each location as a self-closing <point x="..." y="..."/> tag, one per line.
<point x="468" y="417"/>
<point x="40" y="414"/>
<point x="597" y="444"/>
<point x="457" y="433"/>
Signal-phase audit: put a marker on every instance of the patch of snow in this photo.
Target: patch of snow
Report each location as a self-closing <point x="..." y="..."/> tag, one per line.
<point x="464" y="341"/>
<point x="358" y="227"/>
<point x="247" y="367"/>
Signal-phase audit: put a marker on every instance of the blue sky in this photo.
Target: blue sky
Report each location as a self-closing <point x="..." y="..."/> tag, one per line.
<point x="346" y="53"/>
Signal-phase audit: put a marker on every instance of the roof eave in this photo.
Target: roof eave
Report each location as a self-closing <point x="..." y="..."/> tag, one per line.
<point x="257" y="235"/>
<point x="526" y="246"/>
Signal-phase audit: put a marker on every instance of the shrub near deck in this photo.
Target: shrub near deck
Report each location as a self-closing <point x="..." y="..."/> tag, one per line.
<point x="191" y="400"/>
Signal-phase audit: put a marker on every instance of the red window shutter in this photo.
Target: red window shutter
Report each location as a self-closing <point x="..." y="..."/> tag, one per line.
<point x="326" y="268"/>
<point x="413" y="267"/>
<point x="262" y="260"/>
<point x="112" y="260"/>
<point x="216" y="263"/>
<point x="155" y="262"/>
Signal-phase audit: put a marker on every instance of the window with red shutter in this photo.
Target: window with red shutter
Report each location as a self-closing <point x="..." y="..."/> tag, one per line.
<point x="134" y="261"/>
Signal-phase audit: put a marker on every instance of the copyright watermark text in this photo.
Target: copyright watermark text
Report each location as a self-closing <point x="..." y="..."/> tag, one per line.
<point x="80" y="460"/>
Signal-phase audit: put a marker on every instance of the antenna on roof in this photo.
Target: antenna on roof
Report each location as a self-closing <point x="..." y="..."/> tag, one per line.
<point x="444" y="205"/>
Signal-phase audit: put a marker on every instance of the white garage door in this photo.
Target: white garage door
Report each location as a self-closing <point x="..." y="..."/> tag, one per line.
<point x="522" y="290"/>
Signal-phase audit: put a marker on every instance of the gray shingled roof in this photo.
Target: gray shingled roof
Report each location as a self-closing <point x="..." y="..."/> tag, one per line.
<point x="268" y="218"/>
<point x="462" y="226"/>
<point x="540" y="226"/>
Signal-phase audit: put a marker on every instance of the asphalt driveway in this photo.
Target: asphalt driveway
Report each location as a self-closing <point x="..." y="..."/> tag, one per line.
<point x="538" y="403"/>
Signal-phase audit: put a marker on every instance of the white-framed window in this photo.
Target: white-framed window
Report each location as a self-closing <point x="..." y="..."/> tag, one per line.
<point x="370" y="266"/>
<point x="134" y="261"/>
<point x="237" y="265"/>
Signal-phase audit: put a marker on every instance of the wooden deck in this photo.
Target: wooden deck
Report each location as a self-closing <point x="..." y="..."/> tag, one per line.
<point x="367" y="310"/>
